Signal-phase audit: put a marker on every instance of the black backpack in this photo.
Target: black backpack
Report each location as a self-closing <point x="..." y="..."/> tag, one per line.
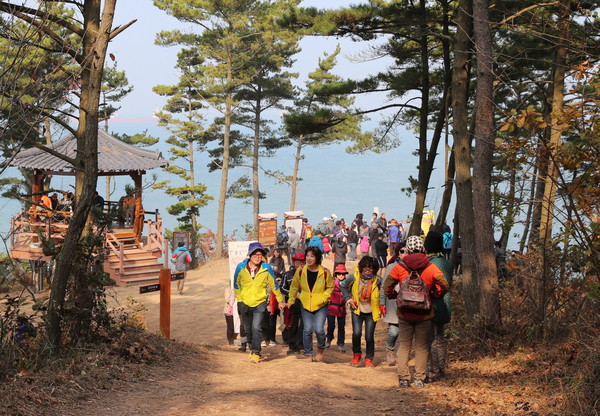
<point x="281" y="238"/>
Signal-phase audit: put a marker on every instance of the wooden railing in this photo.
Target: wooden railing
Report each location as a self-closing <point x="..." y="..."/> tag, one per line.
<point x="154" y="230"/>
<point x="28" y="226"/>
<point x="116" y="247"/>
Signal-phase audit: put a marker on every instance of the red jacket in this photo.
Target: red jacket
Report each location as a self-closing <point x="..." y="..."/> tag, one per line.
<point x="430" y="274"/>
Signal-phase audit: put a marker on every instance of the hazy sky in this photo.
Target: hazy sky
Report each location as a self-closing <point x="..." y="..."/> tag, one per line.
<point x="147" y="65"/>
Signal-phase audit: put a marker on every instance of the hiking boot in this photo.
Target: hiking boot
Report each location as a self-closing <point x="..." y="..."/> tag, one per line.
<point x="355" y="359"/>
<point x="418" y="384"/>
<point x="309" y="358"/>
<point x="369" y="362"/>
<point x="319" y="356"/>
<point x="292" y="352"/>
<point x="242" y="347"/>
<point x="255" y="358"/>
<point x="390" y="357"/>
<point x="341" y="348"/>
<point x="403" y="384"/>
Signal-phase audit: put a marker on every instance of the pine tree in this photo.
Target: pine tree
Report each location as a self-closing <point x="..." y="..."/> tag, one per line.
<point x="267" y="91"/>
<point x="187" y="136"/>
<point x="321" y="115"/>
<point x="236" y="36"/>
<point x="115" y="87"/>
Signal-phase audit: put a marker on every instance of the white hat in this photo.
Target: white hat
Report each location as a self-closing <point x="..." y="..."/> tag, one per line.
<point x="325" y="219"/>
<point x="333" y="216"/>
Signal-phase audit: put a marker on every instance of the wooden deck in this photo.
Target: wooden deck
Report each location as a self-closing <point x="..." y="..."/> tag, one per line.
<point x="129" y="260"/>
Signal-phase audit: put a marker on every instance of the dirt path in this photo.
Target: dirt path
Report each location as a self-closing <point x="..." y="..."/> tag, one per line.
<point x="219" y="380"/>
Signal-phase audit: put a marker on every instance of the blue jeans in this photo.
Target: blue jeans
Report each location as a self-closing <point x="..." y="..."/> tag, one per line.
<point x="313" y="322"/>
<point x="393" y="331"/>
<point x="351" y="251"/>
<point x="341" y="324"/>
<point x="252" y="318"/>
<point x="357" y="324"/>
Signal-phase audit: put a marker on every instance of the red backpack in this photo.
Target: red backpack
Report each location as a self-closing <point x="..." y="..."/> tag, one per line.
<point x="413" y="293"/>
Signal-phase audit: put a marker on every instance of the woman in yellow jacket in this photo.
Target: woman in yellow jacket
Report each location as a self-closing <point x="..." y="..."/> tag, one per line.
<point x="361" y="293"/>
<point x="312" y="285"/>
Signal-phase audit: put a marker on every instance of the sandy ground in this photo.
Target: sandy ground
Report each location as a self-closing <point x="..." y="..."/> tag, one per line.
<point x="220" y="380"/>
<point x="226" y="382"/>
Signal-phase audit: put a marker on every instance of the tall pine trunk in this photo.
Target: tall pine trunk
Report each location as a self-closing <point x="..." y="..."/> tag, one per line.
<point x="462" y="153"/>
<point x="482" y="168"/>
<point x="423" y="180"/>
<point x="225" y="169"/>
<point x="193" y="216"/>
<point x="551" y="174"/>
<point x="256" y="146"/>
<point x="95" y="42"/>
<point x="297" y="160"/>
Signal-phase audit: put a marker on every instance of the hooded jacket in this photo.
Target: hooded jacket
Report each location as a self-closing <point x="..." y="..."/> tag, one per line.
<point x="340" y="248"/>
<point x="316" y="242"/>
<point x="294" y="239"/>
<point x="430" y="274"/>
<point x="315" y="299"/>
<point x="253" y="291"/>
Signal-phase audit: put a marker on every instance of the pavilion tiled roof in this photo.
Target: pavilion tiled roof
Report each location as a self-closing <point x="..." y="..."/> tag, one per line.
<point x="114" y="156"/>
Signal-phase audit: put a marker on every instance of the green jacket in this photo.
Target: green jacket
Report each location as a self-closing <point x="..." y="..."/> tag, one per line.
<point x="443" y="306"/>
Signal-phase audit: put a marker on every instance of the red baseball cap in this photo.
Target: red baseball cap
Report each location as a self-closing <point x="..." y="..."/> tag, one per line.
<point x="298" y="257"/>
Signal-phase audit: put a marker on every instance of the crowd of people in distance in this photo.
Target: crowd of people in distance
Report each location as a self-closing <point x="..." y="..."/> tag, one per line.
<point x="400" y="279"/>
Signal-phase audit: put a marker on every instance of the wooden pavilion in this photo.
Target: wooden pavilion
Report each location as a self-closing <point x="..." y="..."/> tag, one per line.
<point x="132" y="250"/>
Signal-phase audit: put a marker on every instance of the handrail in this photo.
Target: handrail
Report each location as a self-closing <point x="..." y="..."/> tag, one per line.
<point x="155" y="234"/>
<point x="27" y="225"/>
<point x="116" y="247"/>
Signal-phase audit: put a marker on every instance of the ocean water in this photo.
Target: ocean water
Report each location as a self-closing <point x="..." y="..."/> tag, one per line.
<point x="333" y="182"/>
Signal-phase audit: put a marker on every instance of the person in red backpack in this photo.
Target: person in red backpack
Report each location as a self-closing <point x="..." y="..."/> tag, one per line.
<point x="414" y="323"/>
<point x="336" y="310"/>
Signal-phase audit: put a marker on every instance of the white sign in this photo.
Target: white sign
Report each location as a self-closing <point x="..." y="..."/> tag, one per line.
<point x="238" y="252"/>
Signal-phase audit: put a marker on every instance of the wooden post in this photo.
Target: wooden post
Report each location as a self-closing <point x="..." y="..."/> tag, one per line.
<point x="165" y="302"/>
<point x="166" y="253"/>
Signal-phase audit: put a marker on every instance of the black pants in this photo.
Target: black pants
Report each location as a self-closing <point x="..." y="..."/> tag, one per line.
<point x="293" y="334"/>
<point x="269" y="326"/>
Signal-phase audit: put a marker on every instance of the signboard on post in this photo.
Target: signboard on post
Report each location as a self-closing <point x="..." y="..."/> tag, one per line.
<point x="267" y="229"/>
<point x="177" y="276"/>
<point x="238" y="252"/>
<point x="293" y="219"/>
<point x="180" y="237"/>
<point x="149" y="288"/>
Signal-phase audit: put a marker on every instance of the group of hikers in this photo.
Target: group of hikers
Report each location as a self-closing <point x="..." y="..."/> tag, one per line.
<point x="408" y="291"/>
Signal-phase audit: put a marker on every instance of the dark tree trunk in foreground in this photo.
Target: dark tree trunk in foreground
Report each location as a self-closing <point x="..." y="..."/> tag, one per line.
<point x="462" y="154"/>
<point x="97" y="30"/>
<point x="485" y="264"/>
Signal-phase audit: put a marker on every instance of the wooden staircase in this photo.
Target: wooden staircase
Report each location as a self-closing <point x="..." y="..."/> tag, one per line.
<point x="137" y="267"/>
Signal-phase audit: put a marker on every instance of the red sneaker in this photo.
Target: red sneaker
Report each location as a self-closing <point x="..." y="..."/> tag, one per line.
<point x="356" y="359"/>
<point x="369" y="363"/>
